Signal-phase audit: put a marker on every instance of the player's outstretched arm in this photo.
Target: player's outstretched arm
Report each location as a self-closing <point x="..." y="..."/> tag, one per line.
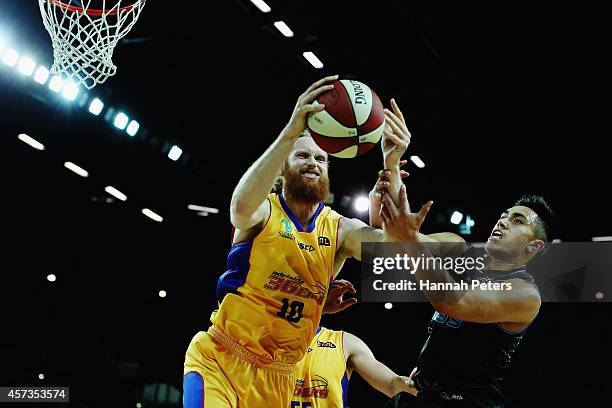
<point x="360" y="358"/>
<point x="248" y="206"/>
<point x="517" y="303"/>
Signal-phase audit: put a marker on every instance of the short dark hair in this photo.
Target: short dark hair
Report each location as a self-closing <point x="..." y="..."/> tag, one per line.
<point x="546" y="223"/>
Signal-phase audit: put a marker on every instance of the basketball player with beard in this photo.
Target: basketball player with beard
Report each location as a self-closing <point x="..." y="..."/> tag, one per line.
<point x="286" y="250"/>
<point x="473" y="333"/>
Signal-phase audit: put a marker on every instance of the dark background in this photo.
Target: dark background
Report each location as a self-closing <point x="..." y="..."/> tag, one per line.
<point x="501" y="101"/>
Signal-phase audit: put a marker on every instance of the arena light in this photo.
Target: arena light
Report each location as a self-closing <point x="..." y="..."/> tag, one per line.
<point x="203" y="209"/>
<point x="70" y="91"/>
<point x="152" y="215"/>
<point x="262" y="6"/>
<point x="76" y="169"/>
<point x="121" y="120"/>
<point x="10" y="57"/>
<point x="132" y="128"/>
<point x="283" y="28"/>
<point x="602" y="239"/>
<point x="175" y="152"/>
<point x="41" y="75"/>
<point x="56" y="84"/>
<point x="314" y="61"/>
<point x="96" y="106"/>
<point x="115" y="193"/>
<point x="469" y="221"/>
<point x="417" y="161"/>
<point x="51" y="277"/>
<point x="138" y="405"/>
<point x="456" y="218"/>
<point x="162" y="294"/>
<point x="26" y="66"/>
<point x="41" y="376"/>
<point x="599" y="295"/>
<point x="362" y="204"/>
<point x="388" y="306"/>
<point x="30" y="141"/>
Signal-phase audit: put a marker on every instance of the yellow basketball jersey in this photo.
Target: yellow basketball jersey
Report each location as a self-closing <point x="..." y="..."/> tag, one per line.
<point x="276" y="284"/>
<point x="321" y="379"/>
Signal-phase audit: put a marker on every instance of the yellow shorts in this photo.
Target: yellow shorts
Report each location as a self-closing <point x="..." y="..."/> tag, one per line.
<point x="219" y="373"/>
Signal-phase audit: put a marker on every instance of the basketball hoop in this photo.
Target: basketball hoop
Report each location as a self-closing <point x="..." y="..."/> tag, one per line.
<point x="84" y="35"/>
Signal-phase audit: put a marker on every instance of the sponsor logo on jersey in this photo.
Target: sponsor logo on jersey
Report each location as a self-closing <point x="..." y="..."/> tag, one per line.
<point x="319" y="388"/>
<point x="292" y="285"/>
<point x="324" y="241"/>
<point x="325" y="344"/>
<point x="306" y="247"/>
<point x="286" y="231"/>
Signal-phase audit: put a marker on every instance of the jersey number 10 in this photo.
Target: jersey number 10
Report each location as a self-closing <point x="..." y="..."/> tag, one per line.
<point x="295" y="313"/>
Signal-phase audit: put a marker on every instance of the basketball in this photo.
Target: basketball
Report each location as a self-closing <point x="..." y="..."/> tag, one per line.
<point x="352" y="122"/>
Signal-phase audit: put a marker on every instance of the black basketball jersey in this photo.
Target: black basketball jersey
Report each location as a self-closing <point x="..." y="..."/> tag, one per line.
<point x="462" y="362"/>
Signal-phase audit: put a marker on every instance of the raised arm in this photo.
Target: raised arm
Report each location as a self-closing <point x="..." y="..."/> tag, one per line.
<point x="248" y="206"/>
<point x="360" y="358"/>
<point x="517" y="302"/>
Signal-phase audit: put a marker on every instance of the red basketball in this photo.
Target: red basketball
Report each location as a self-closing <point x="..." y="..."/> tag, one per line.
<point x="352" y="122"/>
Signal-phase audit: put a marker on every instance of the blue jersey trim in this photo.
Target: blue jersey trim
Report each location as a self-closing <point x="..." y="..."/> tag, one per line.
<point x="193" y="390"/>
<point x="238" y="265"/>
<point x="345" y="383"/>
<point x="295" y="221"/>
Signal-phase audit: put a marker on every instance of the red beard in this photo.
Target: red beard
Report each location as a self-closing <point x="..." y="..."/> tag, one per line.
<point x="297" y="189"/>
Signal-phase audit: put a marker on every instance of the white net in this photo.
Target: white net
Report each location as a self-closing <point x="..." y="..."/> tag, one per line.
<point x="84" y="35"/>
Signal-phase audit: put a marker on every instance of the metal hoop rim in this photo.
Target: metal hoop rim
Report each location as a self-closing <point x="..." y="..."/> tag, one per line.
<point x="94" y="12"/>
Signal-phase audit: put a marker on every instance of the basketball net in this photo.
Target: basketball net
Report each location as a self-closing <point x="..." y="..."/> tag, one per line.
<point x="84" y="35"/>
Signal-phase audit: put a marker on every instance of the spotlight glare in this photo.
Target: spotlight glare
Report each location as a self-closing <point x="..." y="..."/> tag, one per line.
<point x="283" y="28"/>
<point x="10" y="57"/>
<point x="388" y="306"/>
<point x="152" y="215"/>
<point x="162" y="293"/>
<point x="314" y="61"/>
<point x="456" y="218"/>
<point x="132" y="128"/>
<point x="362" y="204"/>
<point x="175" y="153"/>
<point x="30" y="141"/>
<point x="115" y="193"/>
<point x="121" y="120"/>
<point x="202" y="208"/>
<point x="70" y="91"/>
<point x="56" y="84"/>
<point x="51" y="278"/>
<point x="41" y="75"/>
<point x="76" y="169"/>
<point x="96" y="106"/>
<point x="417" y="161"/>
<point x="41" y="376"/>
<point x="261" y="5"/>
<point x="26" y="66"/>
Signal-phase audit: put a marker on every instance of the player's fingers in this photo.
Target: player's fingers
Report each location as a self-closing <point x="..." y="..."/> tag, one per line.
<point x="311" y="96"/>
<point x="312" y="108"/>
<point x="397" y="110"/>
<point x="319" y="83"/>
<point x="403" y="199"/>
<point x="390" y="206"/>
<point x="392" y="121"/>
<point x="399" y="123"/>
<point x="347" y="303"/>
<point x="404" y="174"/>
<point x="424" y="210"/>
<point x="403" y="163"/>
<point x="397" y="141"/>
